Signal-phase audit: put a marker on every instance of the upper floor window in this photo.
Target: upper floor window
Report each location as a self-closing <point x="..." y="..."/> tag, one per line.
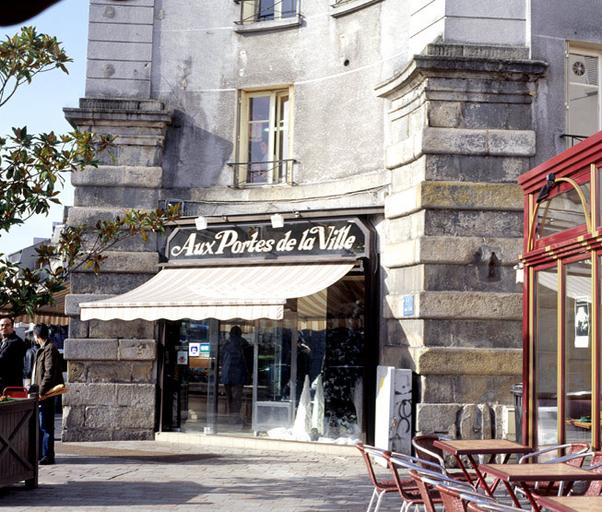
<point x="265" y="138"/>
<point x="583" y="94"/>
<point x="253" y="11"/>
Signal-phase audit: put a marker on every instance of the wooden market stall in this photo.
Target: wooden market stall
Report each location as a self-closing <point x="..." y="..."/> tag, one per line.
<point x="561" y="330"/>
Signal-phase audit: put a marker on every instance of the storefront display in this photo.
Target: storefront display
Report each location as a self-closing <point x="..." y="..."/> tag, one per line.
<point x="262" y="329"/>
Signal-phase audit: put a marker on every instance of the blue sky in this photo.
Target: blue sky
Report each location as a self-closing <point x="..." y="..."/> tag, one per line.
<point x="39" y="106"/>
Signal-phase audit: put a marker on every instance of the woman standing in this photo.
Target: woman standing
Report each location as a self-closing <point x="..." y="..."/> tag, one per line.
<point x="47" y="373"/>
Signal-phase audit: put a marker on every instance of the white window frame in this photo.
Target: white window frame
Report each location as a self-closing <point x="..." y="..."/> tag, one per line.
<point x="250" y="11"/>
<point x="276" y="152"/>
<point x="575" y="48"/>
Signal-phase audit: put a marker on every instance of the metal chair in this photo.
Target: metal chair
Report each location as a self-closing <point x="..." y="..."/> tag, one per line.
<point x="424" y="446"/>
<point x="381" y="486"/>
<point x="426" y="482"/>
<point x="409" y="491"/>
<point x="575" y="455"/>
<point x="593" y="488"/>
<point x="454" y="496"/>
<point x="483" y="506"/>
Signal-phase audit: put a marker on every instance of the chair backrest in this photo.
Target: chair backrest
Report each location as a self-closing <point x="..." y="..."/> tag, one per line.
<point x="571" y="452"/>
<point x="15" y="392"/>
<point x="424" y="446"/>
<point x="402" y="459"/>
<point x="421" y="471"/>
<point x="595" y="487"/>
<point x="455" y="498"/>
<point x="428" y="495"/>
<point x="369" y="453"/>
<point x="486" y="506"/>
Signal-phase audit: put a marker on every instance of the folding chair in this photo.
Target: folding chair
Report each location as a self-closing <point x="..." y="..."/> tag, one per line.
<point x="381" y="486"/>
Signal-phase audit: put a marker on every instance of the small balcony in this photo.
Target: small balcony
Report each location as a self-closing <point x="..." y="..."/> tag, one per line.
<point x="253" y="174"/>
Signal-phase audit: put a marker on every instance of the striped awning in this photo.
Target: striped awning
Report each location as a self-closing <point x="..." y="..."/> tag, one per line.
<point x="247" y="292"/>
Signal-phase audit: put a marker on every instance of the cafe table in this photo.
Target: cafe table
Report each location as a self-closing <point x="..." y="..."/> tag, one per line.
<point x="571" y="503"/>
<point x="471" y="448"/>
<point x="522" y="474"/>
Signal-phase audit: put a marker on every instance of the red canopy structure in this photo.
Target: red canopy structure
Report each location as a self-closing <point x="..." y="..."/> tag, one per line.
<point x="561" y="329"/>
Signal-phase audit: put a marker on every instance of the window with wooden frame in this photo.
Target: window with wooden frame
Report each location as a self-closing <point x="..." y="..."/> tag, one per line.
<point x="583" y="78"/>
<point x="265" y="138"/>
<point x="253" y="11"/>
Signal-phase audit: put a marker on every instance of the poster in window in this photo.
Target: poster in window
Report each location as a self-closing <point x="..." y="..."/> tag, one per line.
<point x="582" y="319"/>
<point x="182" y="357"/>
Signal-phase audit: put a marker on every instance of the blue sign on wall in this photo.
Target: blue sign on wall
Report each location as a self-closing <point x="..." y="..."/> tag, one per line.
<point x="408" y="305"/>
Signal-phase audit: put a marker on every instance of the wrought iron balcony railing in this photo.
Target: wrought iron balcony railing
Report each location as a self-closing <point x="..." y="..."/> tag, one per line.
<point x="250" y="174"/>
<point x="253" y="11"/>
<point x="572" y="139"/>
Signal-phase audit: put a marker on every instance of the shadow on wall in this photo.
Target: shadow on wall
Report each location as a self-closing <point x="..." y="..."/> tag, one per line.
<point x="195" y="157"/>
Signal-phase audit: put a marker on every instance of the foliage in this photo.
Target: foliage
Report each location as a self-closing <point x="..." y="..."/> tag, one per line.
<point x="32" y="172"/>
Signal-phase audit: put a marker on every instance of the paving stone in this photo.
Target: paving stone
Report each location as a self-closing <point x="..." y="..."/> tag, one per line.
<point x="149" y="475"/>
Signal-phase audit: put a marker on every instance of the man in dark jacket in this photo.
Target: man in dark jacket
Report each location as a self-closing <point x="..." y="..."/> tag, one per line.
<point x="46" y="374"/>
<point x="12" y="352"/>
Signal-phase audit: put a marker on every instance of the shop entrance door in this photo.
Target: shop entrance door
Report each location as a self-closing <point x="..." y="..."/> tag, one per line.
<point x="275" y="374"/>
<point x="189" y="376"/>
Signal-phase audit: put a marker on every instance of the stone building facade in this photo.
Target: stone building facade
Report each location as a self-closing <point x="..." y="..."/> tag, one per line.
<point x="417" y="115"/>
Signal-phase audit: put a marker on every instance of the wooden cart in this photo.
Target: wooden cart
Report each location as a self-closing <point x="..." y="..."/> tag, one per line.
<point x="19" y="442"/>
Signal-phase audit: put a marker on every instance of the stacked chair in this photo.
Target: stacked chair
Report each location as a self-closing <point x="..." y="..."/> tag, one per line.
<point x="423" y="482"/>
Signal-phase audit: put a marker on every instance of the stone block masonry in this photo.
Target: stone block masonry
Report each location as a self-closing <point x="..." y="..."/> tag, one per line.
<point x="112" y="368"/>
<point x="460" y="130"/>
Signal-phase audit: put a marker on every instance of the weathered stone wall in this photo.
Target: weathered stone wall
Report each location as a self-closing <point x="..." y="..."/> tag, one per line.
<point x="112" y="370"/>
<point x="460" y="132"/>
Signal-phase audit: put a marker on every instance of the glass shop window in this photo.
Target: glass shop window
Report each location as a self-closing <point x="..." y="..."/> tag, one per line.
<point x="578" y="352"/>
<point x="546" y="355"/>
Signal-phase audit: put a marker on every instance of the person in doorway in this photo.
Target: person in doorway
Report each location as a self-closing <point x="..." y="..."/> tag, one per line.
<point x="12" y="352"/>
<point x="46" y="374"/>
<point x="234" y="372"/>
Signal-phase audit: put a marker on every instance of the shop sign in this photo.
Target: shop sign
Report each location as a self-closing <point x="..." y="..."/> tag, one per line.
<point x="346" y="237"/>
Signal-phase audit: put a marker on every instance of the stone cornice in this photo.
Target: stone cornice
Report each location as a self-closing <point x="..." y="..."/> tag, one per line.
<point x="442" y="64"/>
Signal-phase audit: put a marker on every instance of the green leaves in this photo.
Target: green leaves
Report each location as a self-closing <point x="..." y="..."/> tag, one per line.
<point x="26" y="54"/>
<point x="32" y="172"/>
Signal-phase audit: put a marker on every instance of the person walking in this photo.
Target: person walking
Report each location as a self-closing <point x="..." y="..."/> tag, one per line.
<point x="47" y="373"/>
<point x="12" y="352"/>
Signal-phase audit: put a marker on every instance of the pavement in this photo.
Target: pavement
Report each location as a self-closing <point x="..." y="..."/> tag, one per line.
<point x="152" y="475"/>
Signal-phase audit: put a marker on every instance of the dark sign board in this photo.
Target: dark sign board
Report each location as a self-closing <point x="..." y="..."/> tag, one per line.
<point x="346" y="237"/>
